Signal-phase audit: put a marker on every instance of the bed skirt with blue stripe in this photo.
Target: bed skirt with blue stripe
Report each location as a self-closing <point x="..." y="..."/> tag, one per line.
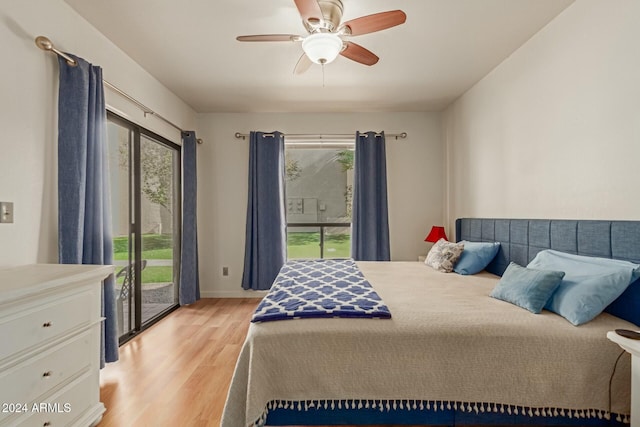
<point x="433" y="413"/>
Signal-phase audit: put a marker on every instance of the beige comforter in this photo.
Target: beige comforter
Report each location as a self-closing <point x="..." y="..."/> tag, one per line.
<point x="447" y="341"/>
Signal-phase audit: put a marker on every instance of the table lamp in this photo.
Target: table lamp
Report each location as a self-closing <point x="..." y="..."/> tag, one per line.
<point x="436" y="233"/>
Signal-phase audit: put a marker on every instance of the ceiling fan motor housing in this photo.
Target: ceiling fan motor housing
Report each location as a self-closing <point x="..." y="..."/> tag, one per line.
<point x="332" y="16"/>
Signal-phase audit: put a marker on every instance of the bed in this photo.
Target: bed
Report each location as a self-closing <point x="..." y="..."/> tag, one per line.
<point x="450" y="355"/>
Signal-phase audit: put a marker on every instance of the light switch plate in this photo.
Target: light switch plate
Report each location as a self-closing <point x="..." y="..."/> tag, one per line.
<point x="6" y="212"/>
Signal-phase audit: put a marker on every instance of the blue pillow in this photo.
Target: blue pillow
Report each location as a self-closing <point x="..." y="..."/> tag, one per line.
<point x="526" y="287"/>
<point x="476" y="256"/>
<point x="624" y="306"/>
<point x="590" y="284"/>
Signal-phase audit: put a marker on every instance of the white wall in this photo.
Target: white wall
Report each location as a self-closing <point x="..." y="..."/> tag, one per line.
<point x="553" y="131"/>
<point x="28" y="105"/>
<point x="414" y="169"/>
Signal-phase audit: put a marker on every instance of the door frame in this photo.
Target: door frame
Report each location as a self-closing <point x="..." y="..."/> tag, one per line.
<point x="135" y="223"/>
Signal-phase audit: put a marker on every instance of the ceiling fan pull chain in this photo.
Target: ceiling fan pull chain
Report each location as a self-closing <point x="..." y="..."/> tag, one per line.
<point x="322" y="74"/>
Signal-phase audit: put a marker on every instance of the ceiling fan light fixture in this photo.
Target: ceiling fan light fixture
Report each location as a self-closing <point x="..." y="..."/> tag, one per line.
<point x="322" y="48"/>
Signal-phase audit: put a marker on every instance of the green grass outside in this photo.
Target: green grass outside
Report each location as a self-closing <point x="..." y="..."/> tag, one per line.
<point x="299" y="245"/>
<point x="153" y="274"/>
<point x="154" y="246"/>
<point x="307" y="245"/>
<point x="161" y="274"/>
<point x="152" y="254"/>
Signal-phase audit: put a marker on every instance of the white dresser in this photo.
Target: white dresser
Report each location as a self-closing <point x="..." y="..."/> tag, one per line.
<point x="50" y="345"/>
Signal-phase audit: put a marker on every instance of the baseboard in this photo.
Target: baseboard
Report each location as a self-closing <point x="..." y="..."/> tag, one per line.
<point x="240" y="293"/>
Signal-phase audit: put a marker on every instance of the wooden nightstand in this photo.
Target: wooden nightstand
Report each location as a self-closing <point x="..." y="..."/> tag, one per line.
<point x="633" y="347"/>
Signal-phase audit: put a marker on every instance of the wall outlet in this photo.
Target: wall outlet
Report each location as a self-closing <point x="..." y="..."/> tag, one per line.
<point x="6" y="212"/>
<point x="225" y="271"/>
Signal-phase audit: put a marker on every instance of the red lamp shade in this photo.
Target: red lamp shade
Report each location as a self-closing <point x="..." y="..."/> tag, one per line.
<point x="436" y="234"/>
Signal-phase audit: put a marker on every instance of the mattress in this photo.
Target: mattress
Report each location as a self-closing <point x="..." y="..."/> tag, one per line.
<point x="447" y="342"/>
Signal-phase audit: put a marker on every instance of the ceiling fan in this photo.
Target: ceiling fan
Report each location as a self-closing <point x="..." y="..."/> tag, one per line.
<point x="325" y="41"/>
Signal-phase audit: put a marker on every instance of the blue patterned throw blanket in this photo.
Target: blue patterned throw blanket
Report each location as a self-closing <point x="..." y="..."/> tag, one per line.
<point x="320" y="288"/>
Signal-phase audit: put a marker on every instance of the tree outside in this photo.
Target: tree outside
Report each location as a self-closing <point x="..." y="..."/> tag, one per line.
<point x="346" y="159"/>
<point x="157" y="175"/>
<point x="156" y="167"/>
<point x="292" y="169"/>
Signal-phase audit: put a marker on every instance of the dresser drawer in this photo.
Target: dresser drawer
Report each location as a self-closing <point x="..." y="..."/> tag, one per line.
<point x="37" y="325"/>
<point x="29" y="380"/>
<point x="64" y="408"/>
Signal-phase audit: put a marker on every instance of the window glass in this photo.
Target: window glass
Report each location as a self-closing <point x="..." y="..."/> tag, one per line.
<point x="319" y="188"/>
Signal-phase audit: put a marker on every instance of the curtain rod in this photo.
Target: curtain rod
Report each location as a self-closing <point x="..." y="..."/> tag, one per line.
<point x="45" y="44"/>
<point x="329" y="137"/>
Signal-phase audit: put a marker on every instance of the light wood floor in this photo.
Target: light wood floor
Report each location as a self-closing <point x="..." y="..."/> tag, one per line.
<point x="177" y="373"/>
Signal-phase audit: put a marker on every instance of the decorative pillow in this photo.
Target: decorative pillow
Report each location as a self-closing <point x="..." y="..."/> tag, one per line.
<point x="526" y="287"/>
<point x="443" y="255"/>
<point x="476" y="256"/>
<point x="589" y="285"/>
<point x="623" y="306"/>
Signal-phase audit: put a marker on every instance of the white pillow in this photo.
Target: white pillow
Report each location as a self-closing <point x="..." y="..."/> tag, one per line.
<point x="444" y="255"/>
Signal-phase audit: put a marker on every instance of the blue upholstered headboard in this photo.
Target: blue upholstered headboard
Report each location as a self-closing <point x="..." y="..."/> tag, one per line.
<point x="521" y="239"/>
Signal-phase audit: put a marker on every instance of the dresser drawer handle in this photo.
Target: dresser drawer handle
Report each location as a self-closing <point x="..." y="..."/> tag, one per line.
<point x="47" y="374"/>
<point x="46" y="424"/>
<point x="47" y="325"/>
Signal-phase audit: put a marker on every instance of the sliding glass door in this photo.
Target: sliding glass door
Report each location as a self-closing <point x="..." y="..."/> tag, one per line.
<point x="145" y="200"/>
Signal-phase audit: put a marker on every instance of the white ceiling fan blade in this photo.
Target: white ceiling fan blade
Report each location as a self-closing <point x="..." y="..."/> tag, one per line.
<point x="302" y="65"/>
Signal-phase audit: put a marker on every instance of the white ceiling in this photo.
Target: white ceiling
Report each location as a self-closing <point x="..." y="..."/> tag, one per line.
<point x="441" y="51"/>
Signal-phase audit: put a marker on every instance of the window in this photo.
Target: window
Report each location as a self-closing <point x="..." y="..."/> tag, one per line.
<point x="319" y="184"/>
